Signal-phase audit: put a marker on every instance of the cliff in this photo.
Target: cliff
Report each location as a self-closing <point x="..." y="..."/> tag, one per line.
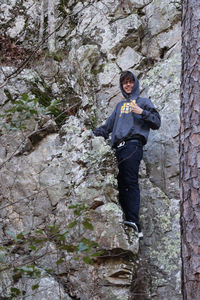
<point x="58" y="196"/>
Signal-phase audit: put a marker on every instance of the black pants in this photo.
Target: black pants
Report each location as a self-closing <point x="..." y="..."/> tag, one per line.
<point x="129" y="157"/>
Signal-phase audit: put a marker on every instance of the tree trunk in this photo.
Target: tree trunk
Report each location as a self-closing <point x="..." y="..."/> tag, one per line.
<point x="190" y="150"/>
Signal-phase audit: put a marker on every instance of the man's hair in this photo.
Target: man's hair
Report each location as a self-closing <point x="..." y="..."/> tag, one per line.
<point x="126" y="75"/>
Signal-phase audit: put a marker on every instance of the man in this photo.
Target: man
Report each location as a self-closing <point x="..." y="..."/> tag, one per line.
<point x="130" y="124"/>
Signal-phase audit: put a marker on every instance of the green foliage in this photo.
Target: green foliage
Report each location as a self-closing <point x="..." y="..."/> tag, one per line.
<point x="78" y="208"/>
<point x="30" y="271"/>
<point x="30" y="108"/>
<point x="14" y="292"/>
<point x="58" y="56"/>
<point x="72" y="224"/>
<point x="35" y="286"/>
<point x="72" y="238"/>
<point x="22" y="110"/>
<point x="44" y="97"/>
<point x="86" y="223"/>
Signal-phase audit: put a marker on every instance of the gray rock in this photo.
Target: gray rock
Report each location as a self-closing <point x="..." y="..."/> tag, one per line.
<point x="161" y="15"/>
<point x="43" y="172"/>
<point x="128" y="59"/>
<point x="48" y="289"/>
<point x="17" y="28"/>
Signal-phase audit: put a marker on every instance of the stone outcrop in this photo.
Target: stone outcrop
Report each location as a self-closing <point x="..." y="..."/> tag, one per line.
<point x="47" y="167"/>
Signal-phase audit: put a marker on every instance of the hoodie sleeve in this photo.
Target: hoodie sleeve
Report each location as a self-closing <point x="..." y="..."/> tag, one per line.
<point x="151" y="115"/>
<point x="107" y="127"/>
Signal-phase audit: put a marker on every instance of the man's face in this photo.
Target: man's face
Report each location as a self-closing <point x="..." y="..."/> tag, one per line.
<point x="127" y="85"/>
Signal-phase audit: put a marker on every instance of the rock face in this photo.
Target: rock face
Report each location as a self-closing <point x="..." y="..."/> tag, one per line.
<point x="58" y="193"/>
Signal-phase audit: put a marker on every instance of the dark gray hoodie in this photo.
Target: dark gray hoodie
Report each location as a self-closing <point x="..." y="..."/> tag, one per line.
<point x="124" y="124"/>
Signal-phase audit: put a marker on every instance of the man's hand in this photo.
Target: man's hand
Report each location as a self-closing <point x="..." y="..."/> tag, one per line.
<point x="136" y="109"/>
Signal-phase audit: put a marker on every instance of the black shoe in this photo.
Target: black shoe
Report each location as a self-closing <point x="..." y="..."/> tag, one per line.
<point x="135" y="227"/>
<point x="131" y="224"/>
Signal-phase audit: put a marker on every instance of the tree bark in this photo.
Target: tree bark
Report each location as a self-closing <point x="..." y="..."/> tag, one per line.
<point x="190" y="150"/>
